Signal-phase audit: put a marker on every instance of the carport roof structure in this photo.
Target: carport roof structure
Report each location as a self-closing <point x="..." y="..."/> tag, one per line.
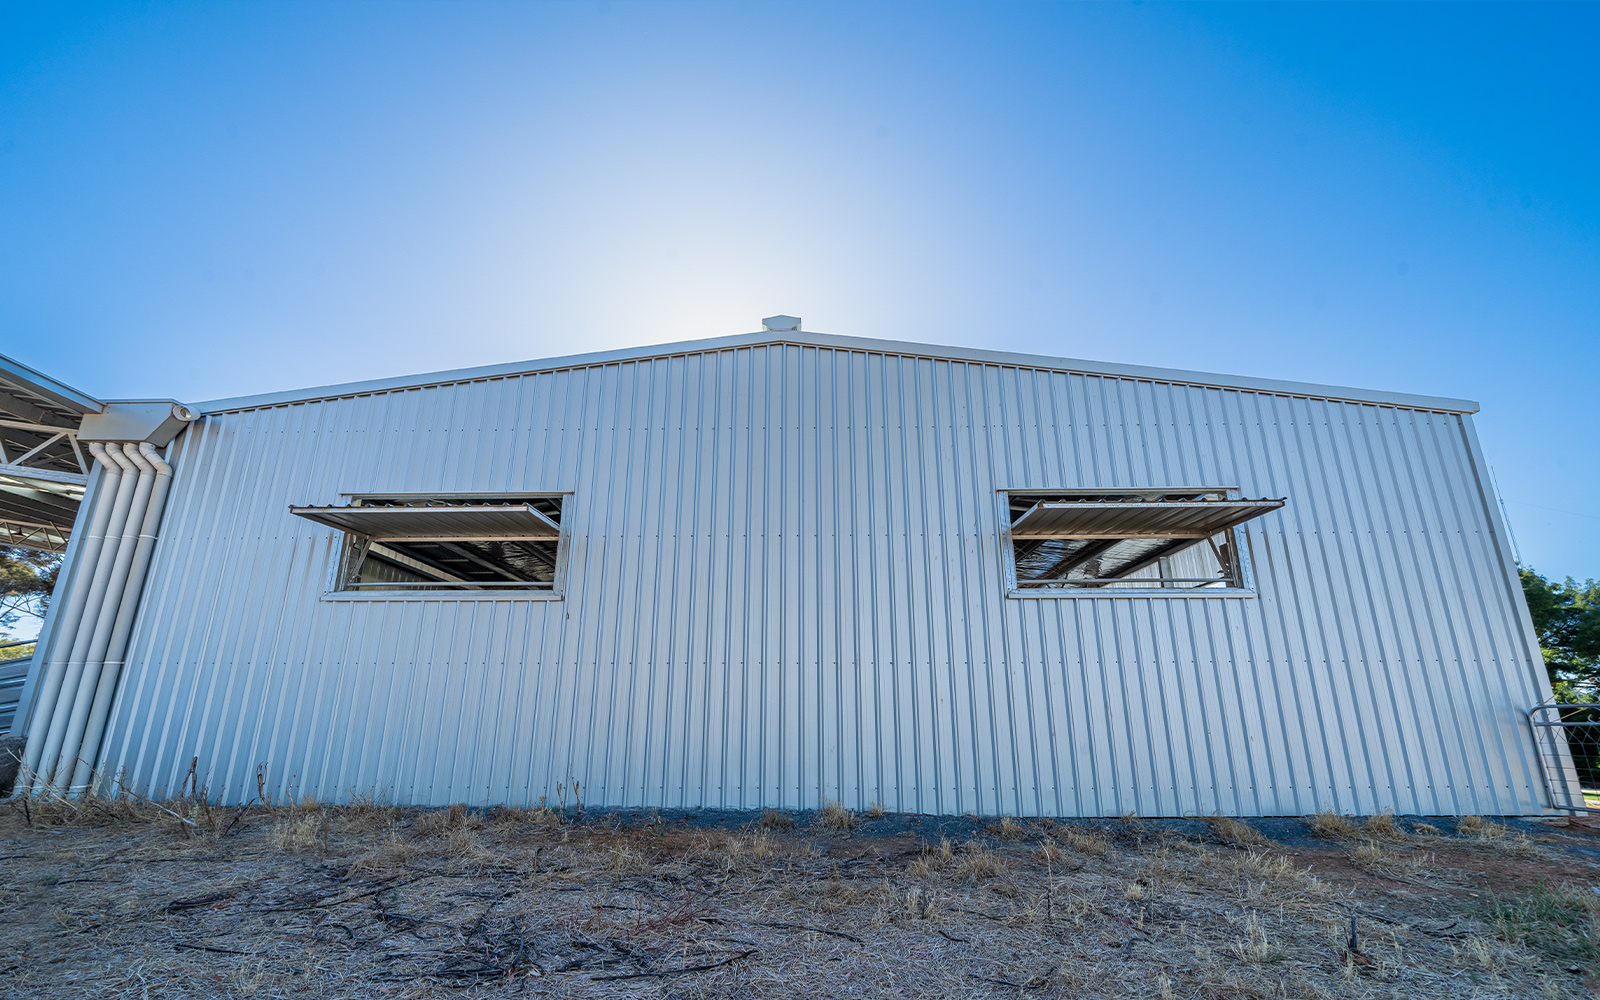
<point x="43" y="470"/>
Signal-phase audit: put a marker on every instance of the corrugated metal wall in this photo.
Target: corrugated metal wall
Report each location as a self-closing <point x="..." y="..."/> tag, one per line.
<point x="786" y="584"/>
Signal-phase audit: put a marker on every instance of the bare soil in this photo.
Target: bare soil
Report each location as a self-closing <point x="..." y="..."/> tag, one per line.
<point x="132" y="899"/>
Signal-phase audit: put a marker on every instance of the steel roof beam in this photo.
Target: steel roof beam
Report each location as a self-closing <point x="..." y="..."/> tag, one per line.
<point x="1072" y="561"/>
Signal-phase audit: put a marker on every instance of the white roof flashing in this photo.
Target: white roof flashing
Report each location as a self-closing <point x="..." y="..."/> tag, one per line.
<point x="1142" y="373"/>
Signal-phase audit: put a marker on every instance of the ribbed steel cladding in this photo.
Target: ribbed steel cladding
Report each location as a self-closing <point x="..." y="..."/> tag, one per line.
<point x="786" y="584"/>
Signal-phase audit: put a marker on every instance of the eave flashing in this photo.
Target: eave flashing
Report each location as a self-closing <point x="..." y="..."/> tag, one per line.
<point x="1143" y="373"/>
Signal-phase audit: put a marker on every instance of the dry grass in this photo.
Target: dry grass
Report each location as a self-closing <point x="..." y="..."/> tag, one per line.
<point x="392" y="852"/>
<point x="1009" y="829"/>
<point x="129" y="899"/>
<point x="1332" y="826"/>
<point x="932" y="862"/>
<point x="1491" y="833"/>
<point x="1414" y="867"/>
<point x="435" y="822"/>
<point x="834" y="816"/>
<point x="298" y="832"/>
<point x="772" y="819"/>
<point x="1085" y="842"/>
<point x="977" y="862"/>
<point x="1383" y="827"/>
<point x="1240" y="834"/>
<point x="366" y="814"/>
<point x="1049" y="852"/>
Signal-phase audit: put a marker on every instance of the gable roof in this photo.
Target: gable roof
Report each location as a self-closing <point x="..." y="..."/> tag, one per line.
<point x="1144" y="373"/>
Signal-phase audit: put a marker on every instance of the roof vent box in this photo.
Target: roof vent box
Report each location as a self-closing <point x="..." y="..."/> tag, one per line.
<point x="781" y="324"/>
<point x="155" y="421"/>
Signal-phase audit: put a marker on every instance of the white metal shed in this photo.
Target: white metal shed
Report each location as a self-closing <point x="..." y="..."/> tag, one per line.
<point x="778" y="569"/>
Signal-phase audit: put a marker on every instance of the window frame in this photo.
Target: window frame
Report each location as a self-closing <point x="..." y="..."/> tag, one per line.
<point x="1008" y="550"/>
<point x="335" y="589"/>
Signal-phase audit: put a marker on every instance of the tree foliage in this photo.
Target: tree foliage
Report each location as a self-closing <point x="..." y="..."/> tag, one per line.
<point x="26" y="579"/>
<point x="1567" y="617"/>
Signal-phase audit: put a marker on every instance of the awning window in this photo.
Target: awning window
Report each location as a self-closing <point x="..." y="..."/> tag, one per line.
<point x="1171" y="541"/>
<point x="521" y="522"/>
<point x="425" y="544"/>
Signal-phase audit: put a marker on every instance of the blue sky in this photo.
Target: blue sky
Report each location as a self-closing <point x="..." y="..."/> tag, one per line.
<point x="208" y="200"/>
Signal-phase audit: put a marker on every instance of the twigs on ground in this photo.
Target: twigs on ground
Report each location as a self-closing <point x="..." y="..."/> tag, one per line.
<point x="677" y="972"/>
<point x="807" y="927"/>
<point x="1007" y="982"/>
<point x="481" y="901"/>
<point x="184" y="821"/>
<point x="178" y="905"/>
<point x="186" y="946"/>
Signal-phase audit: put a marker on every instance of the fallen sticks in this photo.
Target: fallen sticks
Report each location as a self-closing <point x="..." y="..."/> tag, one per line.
<point x="807" y="927"/>
<point x="677" y="972"/>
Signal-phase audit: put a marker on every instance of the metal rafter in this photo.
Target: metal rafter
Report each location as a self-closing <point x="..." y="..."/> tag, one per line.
<point x="1071" y="561"/>
<point x="33" y="477"/>
<point x="41" y="537"/>
<point x="1154" y="556"/>
<point x="40" y="446"/>
<point x="488" y="564"/>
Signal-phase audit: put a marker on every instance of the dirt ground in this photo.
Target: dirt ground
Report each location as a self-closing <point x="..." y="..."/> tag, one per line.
<point x="132" y="899"/>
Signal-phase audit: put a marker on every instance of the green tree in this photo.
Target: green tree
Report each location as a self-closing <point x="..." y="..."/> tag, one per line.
<point x="26" y="579"/>
<point x="1567" y="617"/>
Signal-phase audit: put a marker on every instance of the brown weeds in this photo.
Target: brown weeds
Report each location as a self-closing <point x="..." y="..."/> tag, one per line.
<point x="298" y="832"/>
<point x="1233" y="831"/>
<point x="1331" y="826"/>
<point x="977" y="862"/>
<point x="1381" y="826"/>
<point x="772" y="819"/>
<point x="1009" y="829"/>
<point x="834" y="816"/>
<point x="1084" y="842"/>
<point x="391" y="853"/>
<point x="337" y="901"/>
<point x="435" y="822"/>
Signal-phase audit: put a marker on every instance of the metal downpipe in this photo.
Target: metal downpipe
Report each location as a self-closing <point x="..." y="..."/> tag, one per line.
<point x="105" y="620"/>
<point x="44" y="703"/>
<point x="61" y="710"/>
<point x="111" y="669"/>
